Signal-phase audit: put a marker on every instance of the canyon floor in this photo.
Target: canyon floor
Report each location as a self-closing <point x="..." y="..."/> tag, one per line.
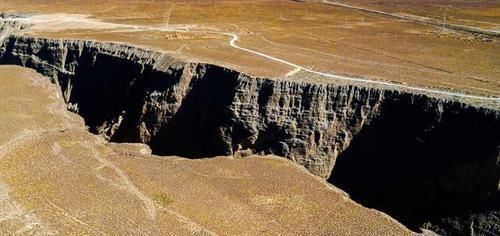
<point x="57" y="178"/>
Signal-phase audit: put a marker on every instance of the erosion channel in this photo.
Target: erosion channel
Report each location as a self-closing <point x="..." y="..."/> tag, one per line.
<point x="428" y="161"/>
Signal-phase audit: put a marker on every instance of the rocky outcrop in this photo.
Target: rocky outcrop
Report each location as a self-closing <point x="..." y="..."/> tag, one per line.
<point x="433" y="162"/>
<point x="190" y="109"/>
<point x="195" y="109"/>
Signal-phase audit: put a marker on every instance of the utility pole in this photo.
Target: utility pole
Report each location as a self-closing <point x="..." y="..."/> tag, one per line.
<point x="444" y="21"/>
<point x="169" y="12"/>
<point x="151" y="10"/>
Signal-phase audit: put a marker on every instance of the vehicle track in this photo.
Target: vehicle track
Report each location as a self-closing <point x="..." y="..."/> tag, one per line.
<point x="124" y="182"/>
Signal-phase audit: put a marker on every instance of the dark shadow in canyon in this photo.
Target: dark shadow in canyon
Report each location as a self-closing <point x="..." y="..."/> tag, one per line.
<point x="419" y="166"/>
<point x="197" y="128"/>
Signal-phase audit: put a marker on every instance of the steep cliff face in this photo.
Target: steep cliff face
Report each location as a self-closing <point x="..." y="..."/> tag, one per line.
<point x="435" y="163"/>
<point x="194" y="109"/>
<point x="405" y="147"/>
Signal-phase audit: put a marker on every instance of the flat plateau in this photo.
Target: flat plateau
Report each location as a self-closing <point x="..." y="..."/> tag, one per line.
<point x="311" y="34"/>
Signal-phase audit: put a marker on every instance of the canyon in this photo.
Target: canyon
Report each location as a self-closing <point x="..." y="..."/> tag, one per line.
<point x="428" y="157"/>
<point x="392" y="150"/>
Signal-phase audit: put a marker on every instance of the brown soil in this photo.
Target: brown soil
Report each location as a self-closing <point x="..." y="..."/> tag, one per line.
<point x="479" y="13"/>
<point x="315" y="35"/>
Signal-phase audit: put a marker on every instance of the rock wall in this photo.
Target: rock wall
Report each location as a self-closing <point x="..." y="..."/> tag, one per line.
<point x="194" y="110"/>
<point x="426" y="163"/>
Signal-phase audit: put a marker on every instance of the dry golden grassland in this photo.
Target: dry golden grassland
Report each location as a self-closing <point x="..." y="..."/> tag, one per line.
<point x="477" y="13"/>
<point x="57" y="178"/>
<point x="311" y="34"/>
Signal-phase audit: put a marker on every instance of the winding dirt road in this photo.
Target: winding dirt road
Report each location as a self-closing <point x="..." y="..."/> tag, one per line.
<point x="84" y="21"/>
<point x="353" y="79"/>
